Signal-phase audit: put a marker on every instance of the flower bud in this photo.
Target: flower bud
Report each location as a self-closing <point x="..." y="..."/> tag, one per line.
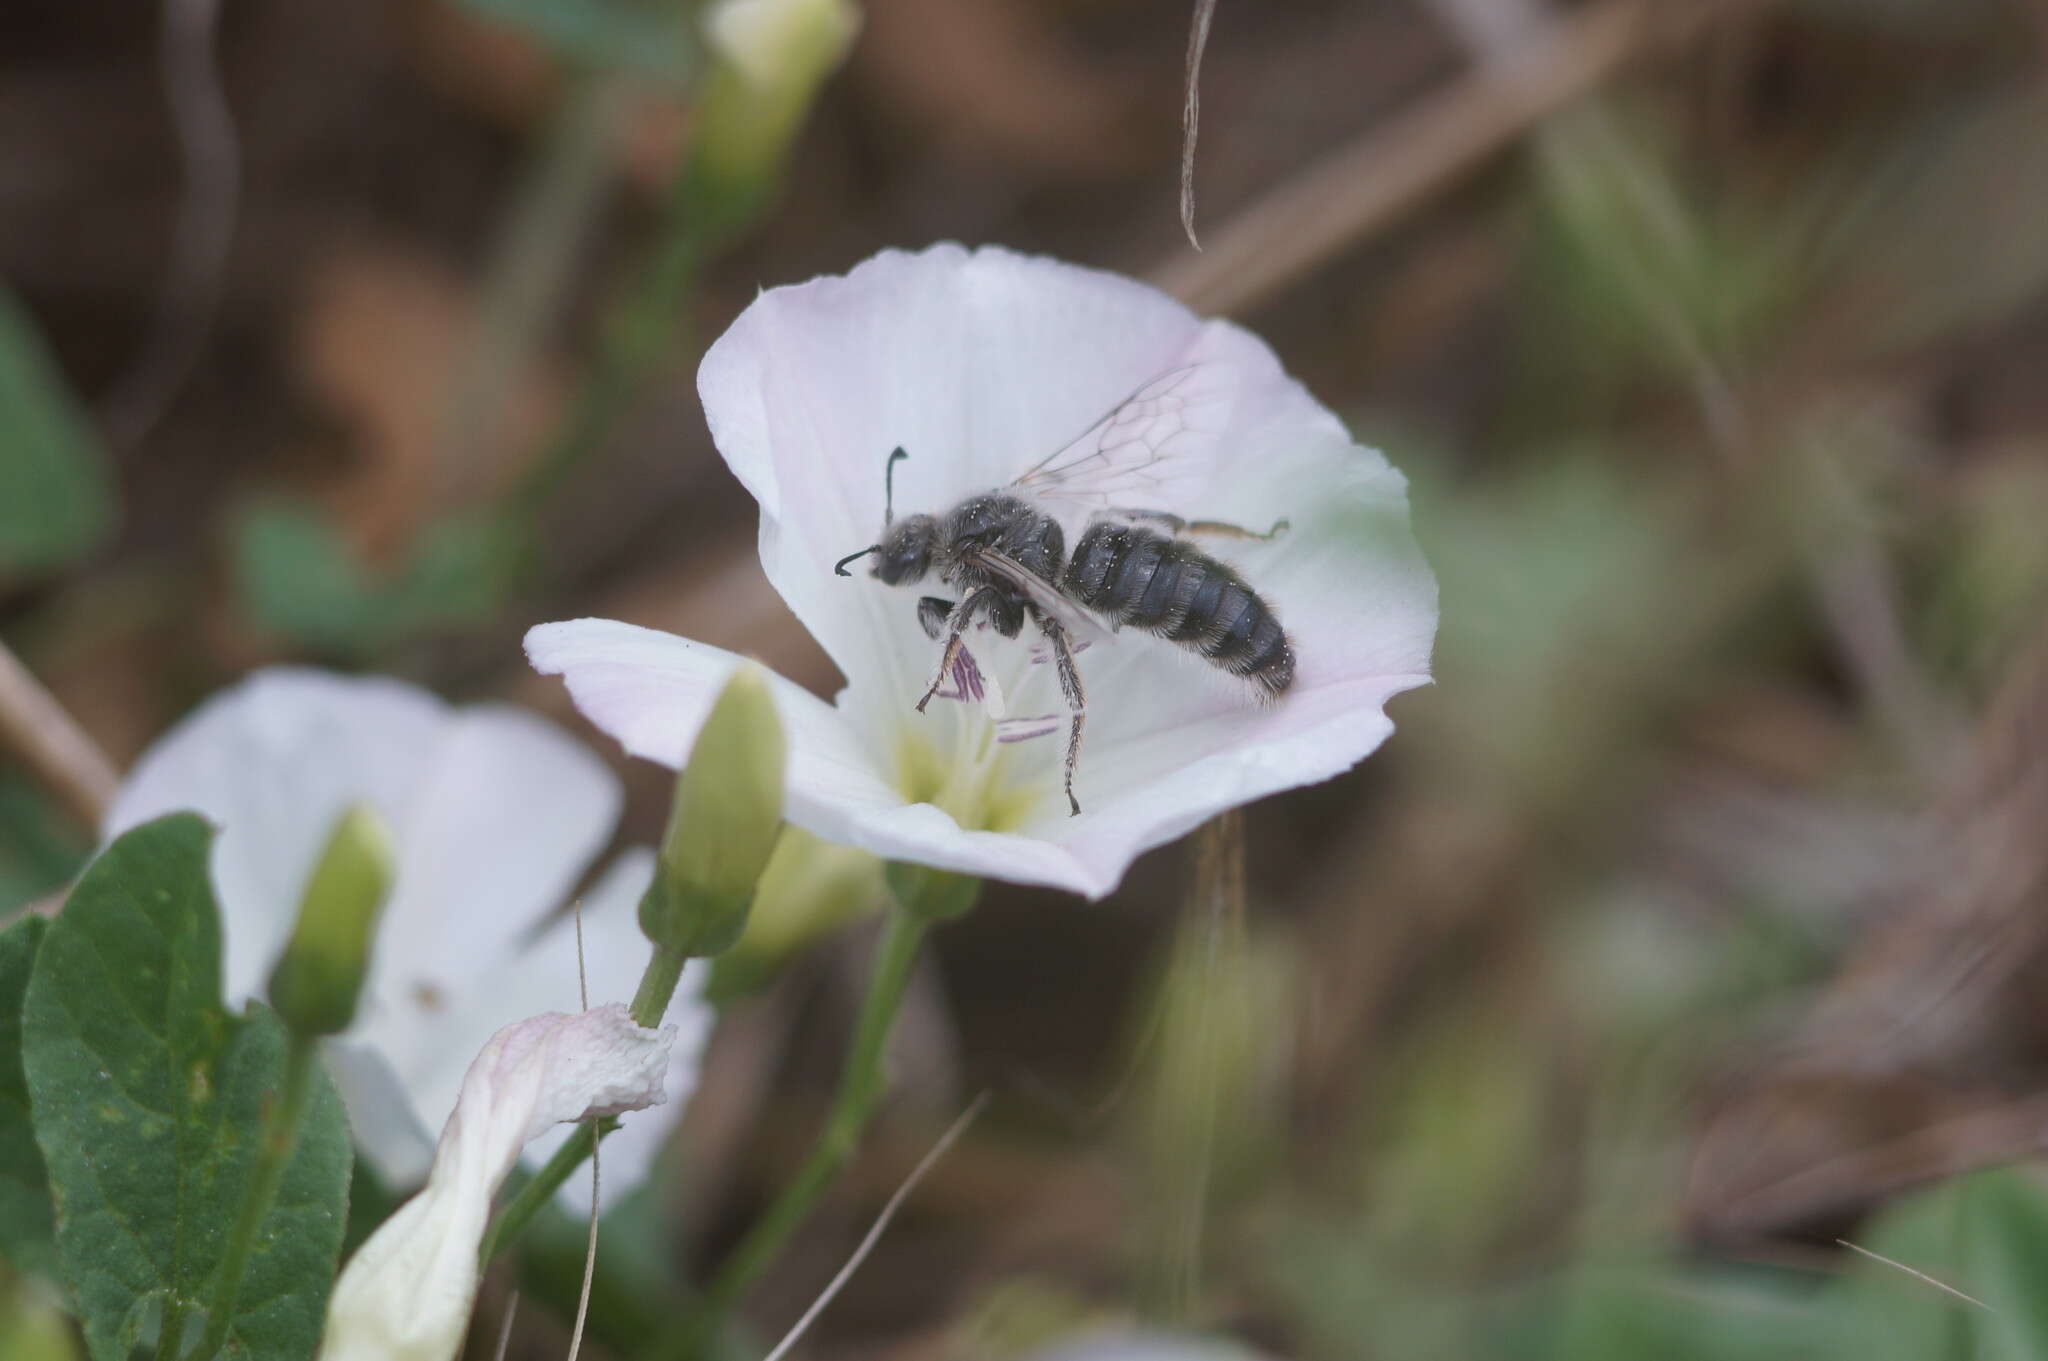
<point x="317" y="979"/>
<point x="809" y="888"/>
<point x="929" y="894"/>
<point x="32" y="1327"/>
<point x="772" y="55"/>
<point x="722" y="825"/>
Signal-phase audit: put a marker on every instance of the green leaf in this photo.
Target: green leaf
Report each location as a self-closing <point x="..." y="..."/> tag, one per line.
<point x="647" y="37"/>
<point x="300" y="580"/>
<point x="55" y="501"/>
<point x="1985" y="1235"/>
<point x="27" y="1241"/>
<point x="303" y="581"/>
<point x="148" y="1098"/>
<point x="2007" y="1222"/>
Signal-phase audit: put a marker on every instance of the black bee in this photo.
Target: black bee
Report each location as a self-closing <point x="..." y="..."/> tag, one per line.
<point x="1005" y="559"/>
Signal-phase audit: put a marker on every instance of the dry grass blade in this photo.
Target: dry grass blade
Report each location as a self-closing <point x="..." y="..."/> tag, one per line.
<point x="212" y="157"/>
<point x="1917" y="1275"/>
<point x="36" y="726"/>
<point x="505" y="1327"/>
<point x="881" y="1225"/>
<point x="1191" y="114"/>
<point x="590" y="1247"/>
<point x="1388" y="170"/>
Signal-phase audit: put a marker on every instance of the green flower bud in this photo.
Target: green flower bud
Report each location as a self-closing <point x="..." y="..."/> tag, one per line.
<point x="772" y="55"/>
<point x="929" y="894"/>
<point x="317" y="979"/>
<point x="722" y="825"/>
<point x="809" y="888"/>
<point x="32" y="1327"/>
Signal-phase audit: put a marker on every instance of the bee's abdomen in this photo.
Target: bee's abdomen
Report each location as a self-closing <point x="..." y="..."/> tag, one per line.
<point x="1168" y="587"/>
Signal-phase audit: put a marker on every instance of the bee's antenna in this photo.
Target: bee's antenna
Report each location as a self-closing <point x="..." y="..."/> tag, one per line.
<point x="889" y="486"/>
<point x="839" y="567"/>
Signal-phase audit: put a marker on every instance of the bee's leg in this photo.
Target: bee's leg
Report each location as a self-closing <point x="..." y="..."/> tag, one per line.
<point x="955" y="624"/>
<point x="1174" y="524"/>
<point x="931" y="615"/>
<point x="1077" y="699"/>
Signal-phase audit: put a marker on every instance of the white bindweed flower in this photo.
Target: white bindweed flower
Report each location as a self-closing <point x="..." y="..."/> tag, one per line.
<point x="407" y="1293"/>
<point x="495" y="813"/>
<point x="982" y="365"/>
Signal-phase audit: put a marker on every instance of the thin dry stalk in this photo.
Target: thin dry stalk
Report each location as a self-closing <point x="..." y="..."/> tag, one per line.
<point x="211" y="154"/>
<point x="36" y="726"/>
<point x="1388" y="170"/>
<point x="1942" y="1286"/>
<point x="1191" y="114"/>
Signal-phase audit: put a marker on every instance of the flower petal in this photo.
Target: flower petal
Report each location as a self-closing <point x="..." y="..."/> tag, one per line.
<point x="408" y="1291"/>
<point x="615" y="954"/>
<point x="980" y="364"/>
<point x="652" y="690"/>
<point x="274" y="761"/>
<point x="494" y="811"/>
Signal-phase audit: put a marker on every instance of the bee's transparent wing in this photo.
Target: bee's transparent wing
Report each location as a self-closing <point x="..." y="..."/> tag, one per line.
<point x="1079" y="622"/>
<point x="1149" y="449"/>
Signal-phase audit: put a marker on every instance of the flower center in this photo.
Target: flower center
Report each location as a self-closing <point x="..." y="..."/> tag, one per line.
<point x="974" y="778"/>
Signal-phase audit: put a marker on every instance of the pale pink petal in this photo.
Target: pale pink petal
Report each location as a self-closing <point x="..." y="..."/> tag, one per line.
<point x="408" y="1291"/>
<point x="980" y="364"/>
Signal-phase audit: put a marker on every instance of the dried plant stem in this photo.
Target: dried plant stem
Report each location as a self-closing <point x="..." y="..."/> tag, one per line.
<point x="861" y="1084"/>
<point x="881" y="1225"/>
<point x="1392" y="168"/>
<point x="1389" y="169"/>
<point x="212" y="158"/>
<point x="37" y="727"/>
<point x="860" y="1091"/>
<point x="1943" y="1286"/>
<point x="1191" y="114"/>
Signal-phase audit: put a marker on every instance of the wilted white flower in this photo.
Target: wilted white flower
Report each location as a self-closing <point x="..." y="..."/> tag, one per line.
<point x="495" y="813"/>
<point x="981" y="365"/>
<point x="407" y="1293"/>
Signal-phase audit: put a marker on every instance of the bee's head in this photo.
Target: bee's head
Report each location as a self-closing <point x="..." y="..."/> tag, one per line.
<point x="905" y="553"/>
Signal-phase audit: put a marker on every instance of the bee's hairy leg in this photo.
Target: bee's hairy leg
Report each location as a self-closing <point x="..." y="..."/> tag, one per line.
<point x="955" y="624"/>
<point x="1174" y="524"/>
<point x="931" y="615"/>
<point x="1077" y="700"/>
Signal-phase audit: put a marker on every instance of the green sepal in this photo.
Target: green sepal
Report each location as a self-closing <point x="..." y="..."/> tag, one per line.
<point x="931" y="895"/>
<point x="722" y="825"/>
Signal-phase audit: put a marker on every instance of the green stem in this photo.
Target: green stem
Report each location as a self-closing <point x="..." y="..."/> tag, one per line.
<point x="860" y="1090"/>
<point x="650" y="1003"/>
<point x="657" y="985"/>
<point x="640" y="333"/>
<point x="273" y="1155"/>
<point x="530" y="267"/>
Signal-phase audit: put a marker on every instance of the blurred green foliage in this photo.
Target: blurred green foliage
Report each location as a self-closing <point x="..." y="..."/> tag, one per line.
<point x="304" y="583"/>
<point x="39" y="848"/>
<point x="56" y="498"/>
<point x="649" y="38"/>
